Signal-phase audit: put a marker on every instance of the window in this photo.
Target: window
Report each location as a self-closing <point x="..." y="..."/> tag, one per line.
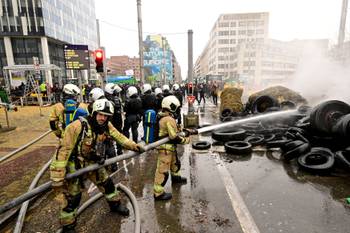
<point x="232" y="33"/>
<point x="249" y="63"/>
<point x="233" y="24"/>
<point x="241" y="32"/>
<point x="224" y="33"/>
<point x="233" y="41"/>
<point x="242" y="23"/>
<point x="226" y="24"/>
<point x="223" y="41"/>
<point x="260" y="31"/>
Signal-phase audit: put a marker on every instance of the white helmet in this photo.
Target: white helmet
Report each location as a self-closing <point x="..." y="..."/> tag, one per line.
<point x="147" y="87"/>
<point x="131" y="91"/>
<point x="71" y="89"/>
<point x="158" y="91"/>
<point x="112" y="88"/>
<point x="166" y="87"/>
<point x="176" y="87"/>
<point x="96" y="93"/>
<point x="103" y="106"/>
<point x="171" y="103"/>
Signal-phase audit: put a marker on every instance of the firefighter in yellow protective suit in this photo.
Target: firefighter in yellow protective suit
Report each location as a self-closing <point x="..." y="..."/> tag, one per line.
<point x="167" y="154"/>
<point x="58" y="116"/>
<point x="82" y="145"/>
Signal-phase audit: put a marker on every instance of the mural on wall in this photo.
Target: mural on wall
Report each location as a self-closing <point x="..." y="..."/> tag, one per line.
<point x="157" y="58"/>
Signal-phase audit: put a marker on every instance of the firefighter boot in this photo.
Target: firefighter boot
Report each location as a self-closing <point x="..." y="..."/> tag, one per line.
<point x="69" y="228"/>
<point x="118" y="207"/>
<point x="163" y="197"/>
<point x="178" y="180"/>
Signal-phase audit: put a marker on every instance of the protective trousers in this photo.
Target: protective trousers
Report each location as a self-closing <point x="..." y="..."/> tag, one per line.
<point x="72" y="192"/>
<point x="167" y="160"/>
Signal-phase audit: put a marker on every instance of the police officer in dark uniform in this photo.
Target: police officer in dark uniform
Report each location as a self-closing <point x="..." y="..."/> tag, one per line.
<point x="148" y="98"/>
<point x="133" y="112"/>
<point x="178" y="94"/>
<point x="159" y="98"/>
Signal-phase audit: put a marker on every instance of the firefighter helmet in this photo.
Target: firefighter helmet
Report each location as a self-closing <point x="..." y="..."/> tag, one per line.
<point x="96" y="93"/>
<point x="112" y="88"/>
<point x="103" y="106"/>
<point x="171" y="103"/>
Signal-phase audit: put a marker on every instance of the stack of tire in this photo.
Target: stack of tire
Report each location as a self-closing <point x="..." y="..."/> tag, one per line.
<point x="318" y="142"/>
<point x="231" y="103"/>
<point x="273" y="99"/>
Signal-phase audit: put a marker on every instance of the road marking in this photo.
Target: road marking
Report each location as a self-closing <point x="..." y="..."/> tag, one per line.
<point x="244" y="217"/>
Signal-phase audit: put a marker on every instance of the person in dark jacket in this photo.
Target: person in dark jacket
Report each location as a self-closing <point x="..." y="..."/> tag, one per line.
<point x="201" y="94"/>
<point x="166" y="90"/>
<point x="159" y="98"/>
<point x="178" y="94"/>
<point x="133" y="113"/>
<point x="148" y="98"/>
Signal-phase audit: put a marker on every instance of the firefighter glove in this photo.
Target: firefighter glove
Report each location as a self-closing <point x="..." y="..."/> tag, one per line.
<point x="139" y="148"/>
<point x="189" y="132"/>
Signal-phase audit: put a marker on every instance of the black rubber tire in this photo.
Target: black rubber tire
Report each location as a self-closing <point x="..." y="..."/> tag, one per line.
<point x="291" y="145"/>
<point x="269" y="137"/>
<point x="325" y="115"/>
<point x="296" y="152"/>
<point x="341" y="128"/>
<point x="277" y="143"/>
<point x="201" y="145"/>
<point x="226" y="112"/>
<point x="262" y="103"/>
<point x="238" y="147"/>
<point x="229" y="135"/>
<point x="255" y="140"/>
<point x="272" y="109"/>
<point x="318" y="160"/>
<point x="287" y="105"/>
<point x="342" y="159"/>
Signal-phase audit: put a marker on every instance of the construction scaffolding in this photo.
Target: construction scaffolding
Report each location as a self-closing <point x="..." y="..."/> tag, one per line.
<point x="32" y="76"/>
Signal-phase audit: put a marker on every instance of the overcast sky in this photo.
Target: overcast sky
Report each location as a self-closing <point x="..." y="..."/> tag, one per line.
<point x="289" y="19"/>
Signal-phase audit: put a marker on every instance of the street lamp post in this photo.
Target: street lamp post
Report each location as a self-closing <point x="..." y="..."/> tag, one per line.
<point x="139" y="22"/>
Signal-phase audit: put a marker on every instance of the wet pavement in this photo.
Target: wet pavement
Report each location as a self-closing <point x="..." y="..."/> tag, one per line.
<point x="277" y="196"/>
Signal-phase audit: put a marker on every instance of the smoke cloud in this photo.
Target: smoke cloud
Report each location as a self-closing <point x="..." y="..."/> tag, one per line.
<point x="319" y="77"/>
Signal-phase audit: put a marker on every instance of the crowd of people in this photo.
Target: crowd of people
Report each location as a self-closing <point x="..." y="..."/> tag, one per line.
<point x="99" y="128"/>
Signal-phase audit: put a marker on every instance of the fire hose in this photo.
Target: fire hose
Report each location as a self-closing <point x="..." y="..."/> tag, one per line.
<point x="148" y="147"/>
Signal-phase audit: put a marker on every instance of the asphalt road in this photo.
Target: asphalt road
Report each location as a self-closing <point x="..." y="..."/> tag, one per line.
<point x="224" y="193"/>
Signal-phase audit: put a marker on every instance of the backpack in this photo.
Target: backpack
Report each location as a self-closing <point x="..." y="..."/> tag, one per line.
<point x="156" y="129"/>
<point x="149" y="124"/>
<point x="70" y="106"/>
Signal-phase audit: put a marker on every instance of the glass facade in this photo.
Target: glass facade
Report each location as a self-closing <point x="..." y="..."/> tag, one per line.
<point x="73" y="22"/>
<point x="3" y="61"/>
<point x="24" y="49"/>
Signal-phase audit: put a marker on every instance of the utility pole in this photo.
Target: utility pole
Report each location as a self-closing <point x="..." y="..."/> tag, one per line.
<point x="190" y="56"/>
<point x="341" y="35"/>
<point x="98" y="33"/>
<point x="139" y="22"/>
<point x="164" y="80"/>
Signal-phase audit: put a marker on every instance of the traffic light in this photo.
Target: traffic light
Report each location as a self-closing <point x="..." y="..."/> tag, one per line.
<point x="190" y="89"/>
<point x="99" y="58"/>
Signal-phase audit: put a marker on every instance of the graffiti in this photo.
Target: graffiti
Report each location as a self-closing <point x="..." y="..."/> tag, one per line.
<point x="157" y="58"/>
